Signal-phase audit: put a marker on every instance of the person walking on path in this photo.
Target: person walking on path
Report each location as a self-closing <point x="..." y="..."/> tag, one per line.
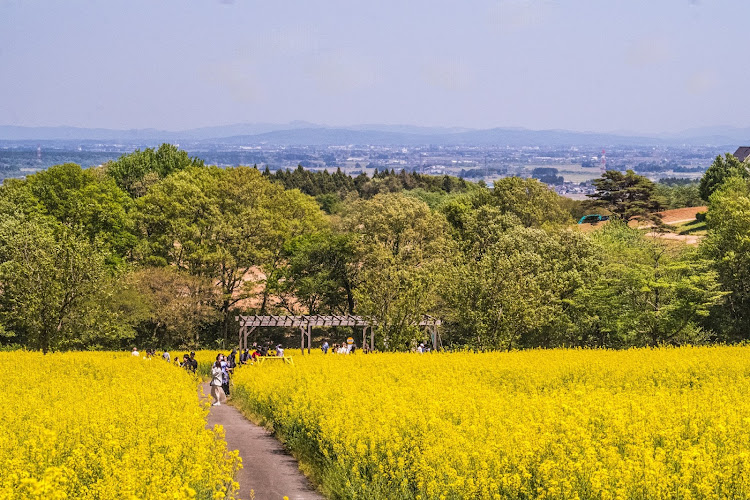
<point x="217" y="376"/>
<point x="225" y="373"/>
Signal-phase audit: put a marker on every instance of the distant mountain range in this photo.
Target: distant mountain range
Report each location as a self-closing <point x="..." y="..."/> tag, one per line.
<point x="304" y="133"/>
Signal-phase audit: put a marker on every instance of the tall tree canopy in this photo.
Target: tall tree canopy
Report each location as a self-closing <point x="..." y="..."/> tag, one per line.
<point x="86" y="201"/>
<point x="627" y="196"/>
<point x="321" y="275"/>
<point x="54" y="286"/>
<point x="728" y="247"/>
<point x="404" y="247"/>
<point x="136" y="172"/>
<point x="512" y="291"/>
<point x="221" y="223"/>
<point x="528" y="201"/>
<point x="646" y="292"/>
<point x="719" y="171"/>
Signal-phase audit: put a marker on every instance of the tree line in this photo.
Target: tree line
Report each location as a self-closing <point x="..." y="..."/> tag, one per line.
<point x="157" y="248"/>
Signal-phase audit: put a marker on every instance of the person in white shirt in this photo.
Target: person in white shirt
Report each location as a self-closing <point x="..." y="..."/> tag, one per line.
<point x="135" y="352"/>
<point x="279" y="351"/>
<point x="217" y="375"/>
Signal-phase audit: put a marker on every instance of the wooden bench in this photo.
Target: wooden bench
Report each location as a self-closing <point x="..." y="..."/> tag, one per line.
<point x="286" y="359"/>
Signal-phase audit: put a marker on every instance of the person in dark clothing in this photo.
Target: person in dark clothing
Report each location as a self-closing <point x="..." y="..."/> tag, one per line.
<point x="232" y="361"/>
<point x="226" y="371"/>
<point x="193" y="362"/>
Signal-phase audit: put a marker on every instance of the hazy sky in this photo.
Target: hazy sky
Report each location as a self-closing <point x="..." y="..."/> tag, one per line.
<point x="598" y="65"/>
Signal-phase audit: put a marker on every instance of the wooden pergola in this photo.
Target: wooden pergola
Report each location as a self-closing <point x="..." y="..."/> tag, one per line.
<point x="248" y="324"/>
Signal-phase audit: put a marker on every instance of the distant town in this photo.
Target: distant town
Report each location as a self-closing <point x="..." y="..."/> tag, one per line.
<point x="568" y="161"/>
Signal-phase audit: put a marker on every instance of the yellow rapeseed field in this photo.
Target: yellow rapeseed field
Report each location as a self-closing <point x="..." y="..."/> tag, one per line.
<point x="572" y="424"/>
<point x="107" y="426"/>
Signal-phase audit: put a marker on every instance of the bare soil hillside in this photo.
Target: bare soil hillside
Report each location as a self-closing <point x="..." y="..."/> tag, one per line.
<point x="681" y="214"/>
<point x="668" y="217"/>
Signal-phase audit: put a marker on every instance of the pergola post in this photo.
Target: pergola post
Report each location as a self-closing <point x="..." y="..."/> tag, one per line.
<point x="302" y="339"/>
<point x="309" y="337"/>
<point x="372" y="339"/>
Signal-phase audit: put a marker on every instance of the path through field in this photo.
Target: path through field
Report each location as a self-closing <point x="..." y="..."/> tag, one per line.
<point x="267" y="468"/>
<point x="688" y="239"/>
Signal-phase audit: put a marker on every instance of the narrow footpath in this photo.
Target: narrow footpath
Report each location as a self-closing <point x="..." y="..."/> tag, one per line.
<point x="267" y="468"/>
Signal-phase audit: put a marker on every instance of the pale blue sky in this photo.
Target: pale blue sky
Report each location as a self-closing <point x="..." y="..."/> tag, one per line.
<point x="598" y="65"/>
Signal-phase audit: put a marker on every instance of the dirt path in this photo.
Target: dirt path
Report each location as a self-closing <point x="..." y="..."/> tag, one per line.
<point x="690" y="239"/>
<point x="267" y="468"/>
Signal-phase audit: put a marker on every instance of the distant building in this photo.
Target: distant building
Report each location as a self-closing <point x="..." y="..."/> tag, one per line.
<point x="742" y="153"/>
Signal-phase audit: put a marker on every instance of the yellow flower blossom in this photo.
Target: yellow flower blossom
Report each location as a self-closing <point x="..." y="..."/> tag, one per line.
<point x="107" y="425"/>
<point x="586" y="424"/>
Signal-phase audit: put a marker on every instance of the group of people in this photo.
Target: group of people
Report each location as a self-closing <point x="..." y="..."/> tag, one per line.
<point x="343" y="348"/>
<point x="188" y="360"/>
<point x="150" y="353"/>
<point x="250" y="355"/>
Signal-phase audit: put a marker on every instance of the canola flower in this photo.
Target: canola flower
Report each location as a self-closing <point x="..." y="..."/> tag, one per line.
<point x="549" y="424"/>
<point x="107" y="426"/>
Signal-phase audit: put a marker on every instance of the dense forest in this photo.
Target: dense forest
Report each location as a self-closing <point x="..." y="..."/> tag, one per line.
<point x="157" y="249"/>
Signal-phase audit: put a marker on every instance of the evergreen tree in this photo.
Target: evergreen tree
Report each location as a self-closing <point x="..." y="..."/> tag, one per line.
<point x="626" y="195"/>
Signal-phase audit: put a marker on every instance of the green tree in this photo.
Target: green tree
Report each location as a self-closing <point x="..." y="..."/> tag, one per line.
<point x="221" y="224"/>
<point x="514" y="292"/>
<point x="136" y="172"/>
<point x="627" y="196"/>
<point x="321" y="274"/>
<point x="170" y="306"/>
<point x="54" y="286"/>
<point x="649" y="292"/>
<point x="728" y="246"/>
<point x="679" y="196"/>
<point x="719" y="171"/>
<point x="87" y="202"/>
<point x="532" y="203"/>
<point x="529" y="200"/>
<point x="403" y="249"/>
